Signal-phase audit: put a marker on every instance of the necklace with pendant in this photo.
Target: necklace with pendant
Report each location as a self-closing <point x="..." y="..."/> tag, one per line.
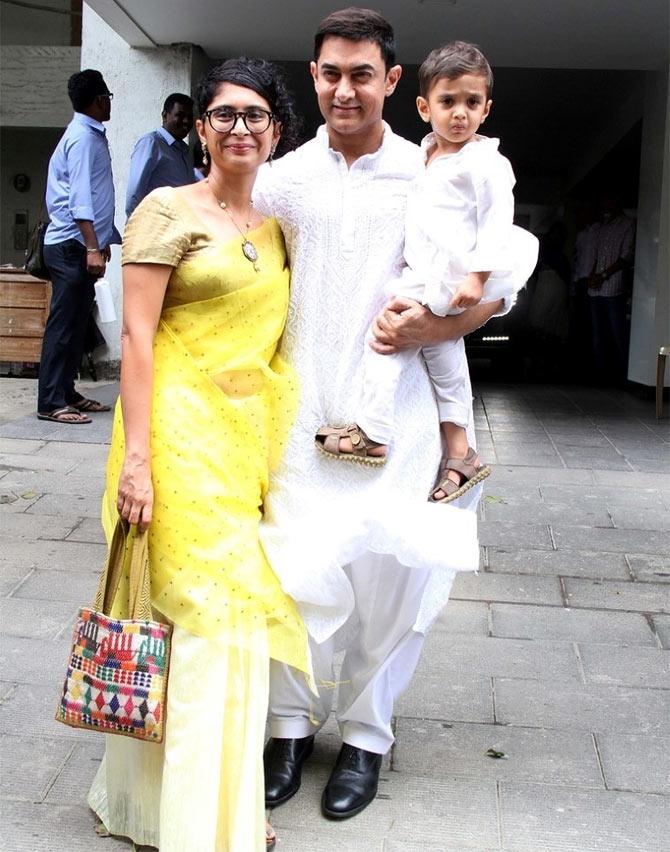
<point x="249" y="250"/>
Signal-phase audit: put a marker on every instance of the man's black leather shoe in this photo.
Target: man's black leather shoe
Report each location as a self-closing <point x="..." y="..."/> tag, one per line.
<point x="352" y="784"/>
<point x="283" y="760"/>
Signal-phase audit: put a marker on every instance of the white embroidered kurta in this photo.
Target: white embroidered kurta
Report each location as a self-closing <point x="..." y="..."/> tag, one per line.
<point x="344" y="232"/>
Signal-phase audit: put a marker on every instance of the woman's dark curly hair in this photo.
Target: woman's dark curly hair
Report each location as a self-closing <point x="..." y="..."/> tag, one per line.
<point x="267" y="80"/>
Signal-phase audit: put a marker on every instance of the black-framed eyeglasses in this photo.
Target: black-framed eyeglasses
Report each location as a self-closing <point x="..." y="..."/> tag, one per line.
<point x="106" y="95"/>
<point x="224" y="119"/>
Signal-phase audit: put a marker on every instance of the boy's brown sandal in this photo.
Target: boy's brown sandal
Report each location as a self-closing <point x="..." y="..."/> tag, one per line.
<point x="327" y="440"/>
<point x="470" y="472"/>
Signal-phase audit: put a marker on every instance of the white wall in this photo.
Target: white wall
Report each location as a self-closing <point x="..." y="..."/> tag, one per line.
<point x="140" y="79"/>
<point x="650" y="321"/>
<point x="33" y="85"/>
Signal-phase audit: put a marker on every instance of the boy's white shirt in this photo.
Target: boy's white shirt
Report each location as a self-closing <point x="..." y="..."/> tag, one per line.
<point x="459" y="219"/>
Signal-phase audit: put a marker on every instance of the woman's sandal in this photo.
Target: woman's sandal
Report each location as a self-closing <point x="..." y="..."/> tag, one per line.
<point x="469" y="471"/>
<point x="327" y="440"/>
<point x="270" y="837"/>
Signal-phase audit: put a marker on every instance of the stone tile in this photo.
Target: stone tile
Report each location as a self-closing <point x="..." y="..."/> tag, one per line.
<point x="650" y="448"/>
<point x="463" y="617"/>
<point x="564" y="436"/>
<point x="565" y="706"/>
<point x="77" y="451"/>
<point x="54" y="555"/>
<point x="76" y="587"/>
<point x="557" y="819"/>
<point x="507" y="588"/>
<point x="558" y="563"/>
<point x="520" y="456"/>
<point x="29" y="427"/>
<point x="30" y="765"/>
<point x="460" y="657"/>
<point x="28" y="827"/>
<point x="407" y="808"/>
<point x="91" y="485"/>
<point x="76" y="776"/>
<point x="648" y="667"/>
<point x="595" y="458"/>
<point x="635" y="762"/>
<point x="534" y="510"/>
<point x="571" y="625"/>
<point x="641" y="518"/>
<point x="500" y="533"/>
<point x="607" y="495"/>
<point x="58" y="504"/>
<point x="34" y="619"/>
<point x="435" y="748"/>
<point x="34" y="462"/>
<point x="430" y="697"/>
<point x="650" y="465"/>
<point x="544" y="476"/>
<point x="19" y="447"/>
<point x="89" y="530"/>
<point x="649" y="569"/>
<point x="662" y="626"/>
<point x="10" y="577"/>
<point x="25" y="660"/>
<point x="30" y="709"/>
<point x="633" y="480"/>
<point x="610" y="594"/>
<point x="21" y="527"/>
<point x="16" y="500"/>
<point x="611" y="540"/>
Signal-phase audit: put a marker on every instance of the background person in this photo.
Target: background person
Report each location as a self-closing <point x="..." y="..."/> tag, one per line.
<point x="608" y="289"/>
<point x="161" y="158"/>
<point x="205" y="407"/>
<point x="80" y="204"/>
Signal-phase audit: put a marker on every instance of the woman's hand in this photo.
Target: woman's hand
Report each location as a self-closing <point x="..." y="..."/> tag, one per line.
<point x="135" y="498"/>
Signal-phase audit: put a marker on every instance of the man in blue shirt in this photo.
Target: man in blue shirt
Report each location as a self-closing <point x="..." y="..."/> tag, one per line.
<point x="161" y="158"/>
<point x="80" y="203"/>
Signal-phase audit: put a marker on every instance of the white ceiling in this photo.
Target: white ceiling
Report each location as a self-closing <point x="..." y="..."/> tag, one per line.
<point x="596" y="34"/>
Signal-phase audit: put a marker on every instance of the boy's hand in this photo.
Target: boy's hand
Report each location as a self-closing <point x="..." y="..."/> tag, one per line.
<point x="470" y="291"/>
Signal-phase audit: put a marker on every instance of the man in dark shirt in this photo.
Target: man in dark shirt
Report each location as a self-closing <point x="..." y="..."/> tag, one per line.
<point x="161" y="158"/>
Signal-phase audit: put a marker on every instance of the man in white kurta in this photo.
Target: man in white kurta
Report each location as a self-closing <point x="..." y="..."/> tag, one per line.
<point x="368" y="560"/>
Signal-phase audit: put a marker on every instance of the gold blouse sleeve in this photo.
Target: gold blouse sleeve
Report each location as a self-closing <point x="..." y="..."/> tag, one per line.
<point x="156" y="232"/>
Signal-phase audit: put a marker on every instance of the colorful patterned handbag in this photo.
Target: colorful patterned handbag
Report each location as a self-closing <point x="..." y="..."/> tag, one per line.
<point x="116" y="678"/>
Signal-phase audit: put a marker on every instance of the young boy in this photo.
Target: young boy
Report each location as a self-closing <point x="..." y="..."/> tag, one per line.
<point x="460" y="248"/>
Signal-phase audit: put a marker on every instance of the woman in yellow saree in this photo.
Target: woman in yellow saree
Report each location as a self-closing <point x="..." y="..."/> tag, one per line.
<point x="205" y="405"/>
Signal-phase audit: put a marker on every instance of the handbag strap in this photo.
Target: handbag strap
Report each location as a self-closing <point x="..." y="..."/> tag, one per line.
<point x="139" y="594"/>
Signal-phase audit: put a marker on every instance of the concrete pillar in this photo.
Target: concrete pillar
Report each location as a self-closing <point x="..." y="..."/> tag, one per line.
<point x="650" y="322"/>
<point x="140" y="79"/>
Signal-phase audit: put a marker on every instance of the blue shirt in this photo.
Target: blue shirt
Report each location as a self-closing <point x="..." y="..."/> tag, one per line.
<point x="158" y="159"/>
<point x="79" y="184"/>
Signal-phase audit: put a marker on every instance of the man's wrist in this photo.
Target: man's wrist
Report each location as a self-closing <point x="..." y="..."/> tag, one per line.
<point x="93" y="250"/>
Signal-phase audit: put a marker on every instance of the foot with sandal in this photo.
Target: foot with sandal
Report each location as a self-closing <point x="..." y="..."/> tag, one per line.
<point x="75" y="412"/>
<point x="460" y="470"/>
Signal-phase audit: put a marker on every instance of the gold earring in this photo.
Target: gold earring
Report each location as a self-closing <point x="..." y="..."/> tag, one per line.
<point x="205" y="155"/>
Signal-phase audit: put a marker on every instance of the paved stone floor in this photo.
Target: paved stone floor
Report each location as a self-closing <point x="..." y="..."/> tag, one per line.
<point x="555" y="654"/>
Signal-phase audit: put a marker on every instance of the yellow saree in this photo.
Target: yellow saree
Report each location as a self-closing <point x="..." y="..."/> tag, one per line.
<point x="223" y="402"/>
